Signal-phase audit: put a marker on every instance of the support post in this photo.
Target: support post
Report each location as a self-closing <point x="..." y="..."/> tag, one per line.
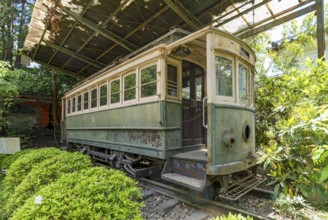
<point x="320" y="29"/>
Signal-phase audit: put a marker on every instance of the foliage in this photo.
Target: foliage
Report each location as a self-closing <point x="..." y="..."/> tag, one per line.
<point x="290" y="206"/>
<point x="7" y="161"/>
<point x="93" y="193"/>
<point x="44" y="173"/>
<point x="8" y="93"/>
<point x="21" y="167"/>
<point x="233" y="217"/>
<point x="292" y="113"/>
<point x="15" y="16"/>
<point x="297" y="149"/>
<point x="2" y="157"/>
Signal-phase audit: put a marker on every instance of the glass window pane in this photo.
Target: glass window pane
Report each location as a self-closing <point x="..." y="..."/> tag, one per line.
<point x="130" y="87"/>
<point x="79" y="103"/>
<point x="115" y="91"/>
<point x="242" y="84"/>
<point x="224" y="71"/>
<point x="68" y="106"/>
<point x="93" y="98"/>
<point x="103" y="95"/>
<point x="86" y="100"/>
<point x="199" y="88"/>
<point x="172" y="81"/>
<point x="186" y="89"/>
<point x="148" y="81"/>
<point x="73" y="105"/>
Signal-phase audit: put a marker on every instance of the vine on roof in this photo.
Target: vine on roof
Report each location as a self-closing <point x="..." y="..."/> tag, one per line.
<point x="53" y="18"/>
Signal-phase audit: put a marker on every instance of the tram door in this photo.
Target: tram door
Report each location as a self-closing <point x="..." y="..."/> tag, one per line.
<point x="192" y="96"/>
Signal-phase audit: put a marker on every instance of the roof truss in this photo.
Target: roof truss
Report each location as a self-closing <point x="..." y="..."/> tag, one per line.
<point x="95" y="36"/>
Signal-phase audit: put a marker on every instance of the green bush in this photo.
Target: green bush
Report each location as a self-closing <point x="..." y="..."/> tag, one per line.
<point x="20" y="168"/>
<point x="7" y="161"/>
<point x="2" y="157"/>
<point x="296" y="145"/>
<point x="233" y="217"/>
<point x="94" y="193"/>
<point x="44" y="173"/>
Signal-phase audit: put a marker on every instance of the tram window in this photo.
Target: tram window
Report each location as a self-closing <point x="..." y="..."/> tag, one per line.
<point x="199" y="88"/>
<point x="68" y="106"/>
<point x="73" y="104"/>
<point x="79" y="103"/>
<point x="130" y="87"/>
<point x="103" y="95"/>
<point x="224" y="76"/>
<point x="86" y="100"/>
<point x="242" y="83"/>
<point x="94" y="98"/>
<point x="186" y="89"/>
<point x="148" y="81"/>
<point x="172" y="80"/>
<point x="115" y="91"/>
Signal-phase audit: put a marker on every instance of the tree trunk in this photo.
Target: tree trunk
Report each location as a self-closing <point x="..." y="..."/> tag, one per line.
<point x="54" y="98"/>
<point x="21" y="34"/>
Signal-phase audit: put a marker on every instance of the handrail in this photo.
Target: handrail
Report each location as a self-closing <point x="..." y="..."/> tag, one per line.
<point x="203" y="123"/>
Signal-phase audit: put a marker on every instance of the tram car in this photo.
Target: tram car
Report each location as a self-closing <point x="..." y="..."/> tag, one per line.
<point x="182" y="106"/>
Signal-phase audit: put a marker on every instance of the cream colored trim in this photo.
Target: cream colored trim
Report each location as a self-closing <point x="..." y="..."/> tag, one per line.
<point x="135" y="87"/>
<point x="133" y="63"/>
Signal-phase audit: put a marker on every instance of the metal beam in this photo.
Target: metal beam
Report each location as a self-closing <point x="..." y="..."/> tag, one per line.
<point x="70" y="31"/>
<point x="77" y="56"/>
<point x="320" y="29"/>
<point x="109" y="35"/>
<point x="273" y="17"/>
<point x="68" y="72"/>
<point x="239" y="14"/>
<point x="185" y="14"/>
<point x="277" y="22"/>
<point x="150" y="19"/>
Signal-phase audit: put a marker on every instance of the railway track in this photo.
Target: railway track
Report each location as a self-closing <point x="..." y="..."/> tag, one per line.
<point x="212" y="208"/>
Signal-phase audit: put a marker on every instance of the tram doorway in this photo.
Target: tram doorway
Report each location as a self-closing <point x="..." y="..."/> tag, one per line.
<point x="193" y="132"/>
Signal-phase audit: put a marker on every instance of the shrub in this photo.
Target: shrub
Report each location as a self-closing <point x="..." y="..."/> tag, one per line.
<point x="93" y="193"/>
<point x="296" y="134"/>
<point x="22" y="166"/>
<point x="2" y="157"/>
<point x="9" y="159"/>
<point x="233" y="217"/>
<point x="44" y="173"/>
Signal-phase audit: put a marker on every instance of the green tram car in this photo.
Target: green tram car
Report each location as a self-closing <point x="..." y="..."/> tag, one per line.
<point x="182" y="106"/>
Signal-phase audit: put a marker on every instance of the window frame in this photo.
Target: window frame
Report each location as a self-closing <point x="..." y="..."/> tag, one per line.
<point x="68" y="106"/>
<point x="177" y="65"/>
<point x="245" y="102"/>
<point x="91" y="99"/>
<point x="77" y="102"/>
<point x="139" y="85"/>
<point x="73" y="104"/>
<point x="83" y="93"/>
<point x="135" y="87"/>
<point x="107" y="94"/>
<point x="119" y="92"/>
<point x="220" y="98"/>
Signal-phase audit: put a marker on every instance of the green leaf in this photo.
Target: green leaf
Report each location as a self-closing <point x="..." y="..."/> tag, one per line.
<point x="324" y="174"/>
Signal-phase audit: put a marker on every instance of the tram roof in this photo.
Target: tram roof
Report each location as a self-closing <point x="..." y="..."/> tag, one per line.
<point x="82" y="37"/>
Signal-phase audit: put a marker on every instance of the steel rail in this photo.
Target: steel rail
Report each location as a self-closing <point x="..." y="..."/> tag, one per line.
<point x="214" y="207"/>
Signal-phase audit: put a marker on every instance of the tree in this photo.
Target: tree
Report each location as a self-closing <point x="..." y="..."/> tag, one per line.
<point x="292" y="114"/>
<point x="8" y="93"/>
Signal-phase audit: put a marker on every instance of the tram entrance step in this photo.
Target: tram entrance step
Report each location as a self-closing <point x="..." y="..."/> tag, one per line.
<point x="236" y="191"/>
<point x="187" y="169"/>
<point x="183" y="180"/>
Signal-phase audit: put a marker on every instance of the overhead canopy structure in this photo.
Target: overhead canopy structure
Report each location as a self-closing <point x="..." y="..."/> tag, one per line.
<point x="82" y="37"/>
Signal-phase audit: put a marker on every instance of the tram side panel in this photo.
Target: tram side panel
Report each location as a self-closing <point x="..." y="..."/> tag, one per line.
<point x="233" y="140"/>
<point x="139" y="129"/>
